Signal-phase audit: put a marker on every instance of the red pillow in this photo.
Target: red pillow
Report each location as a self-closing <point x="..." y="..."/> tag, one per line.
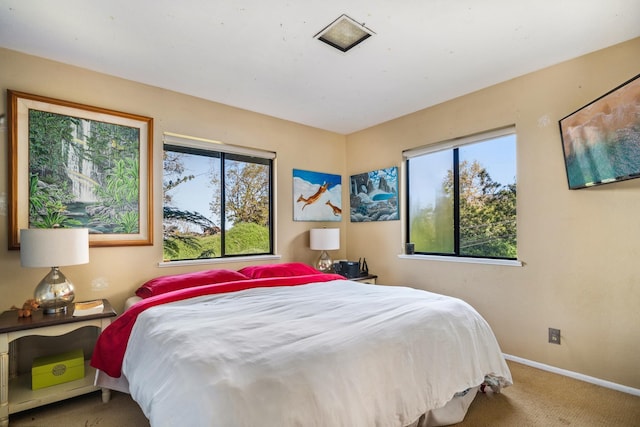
<point x="278" y="270"/>
<point x="163" y="284"/>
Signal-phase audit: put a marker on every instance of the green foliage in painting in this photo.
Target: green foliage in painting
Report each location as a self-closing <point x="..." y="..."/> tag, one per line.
<point x="83" y="173"/>
<point x="119" y="197"/>
<point x="47" y="206"/>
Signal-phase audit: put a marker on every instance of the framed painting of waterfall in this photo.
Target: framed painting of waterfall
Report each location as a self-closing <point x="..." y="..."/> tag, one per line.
<point x="78" y="166"/>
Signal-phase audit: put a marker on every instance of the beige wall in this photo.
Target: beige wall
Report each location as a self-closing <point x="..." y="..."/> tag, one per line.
<point x="125" y="268"/>
<point x="580" y="249"/>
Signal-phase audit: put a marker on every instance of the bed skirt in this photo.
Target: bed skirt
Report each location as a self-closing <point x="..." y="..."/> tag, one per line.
<point x="451" y="413"/>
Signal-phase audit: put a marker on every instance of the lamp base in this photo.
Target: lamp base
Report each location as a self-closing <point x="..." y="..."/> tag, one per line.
<point x="54" y="292"/>
<point x="324" y="263"/>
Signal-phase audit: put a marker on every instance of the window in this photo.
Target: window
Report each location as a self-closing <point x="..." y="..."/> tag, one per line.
<point x="461" y="196"/>
<point x="217" y="200"/>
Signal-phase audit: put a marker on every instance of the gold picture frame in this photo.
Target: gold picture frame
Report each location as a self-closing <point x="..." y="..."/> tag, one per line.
<point x="74" y="165"/>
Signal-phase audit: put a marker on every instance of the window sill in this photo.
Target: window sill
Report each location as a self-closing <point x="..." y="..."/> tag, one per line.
<point x="218" y="260"/>
<point x="489" y="261"/>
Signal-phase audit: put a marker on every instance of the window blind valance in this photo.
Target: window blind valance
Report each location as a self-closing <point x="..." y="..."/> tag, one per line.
<point x="210" y="144"/>
<point x="458" y="142"/>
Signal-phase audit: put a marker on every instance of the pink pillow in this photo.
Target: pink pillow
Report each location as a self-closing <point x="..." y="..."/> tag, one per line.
<point x="164" y="284"/>
<point x="278" y="270"/>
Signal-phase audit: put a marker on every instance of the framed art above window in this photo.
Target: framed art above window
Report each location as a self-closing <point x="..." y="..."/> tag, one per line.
<point x="77" y="166"/>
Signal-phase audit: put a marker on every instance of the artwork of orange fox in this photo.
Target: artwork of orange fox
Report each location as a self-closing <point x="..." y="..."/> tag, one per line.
<point x="313" y="198"/>
<point x="336" y="210"/>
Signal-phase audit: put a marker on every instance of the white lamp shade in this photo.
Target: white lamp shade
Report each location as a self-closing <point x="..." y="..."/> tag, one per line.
<point x="54" y="247"/>
<point x="324" y="239"/>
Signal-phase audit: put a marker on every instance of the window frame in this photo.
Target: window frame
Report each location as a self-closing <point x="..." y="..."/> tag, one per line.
<point x="452" y="145"/>
<point x="201" y="146"/>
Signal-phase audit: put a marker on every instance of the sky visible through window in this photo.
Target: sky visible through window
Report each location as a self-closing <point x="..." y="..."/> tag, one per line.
<point x="497" y="156"/>
<point x="196" y="194"/>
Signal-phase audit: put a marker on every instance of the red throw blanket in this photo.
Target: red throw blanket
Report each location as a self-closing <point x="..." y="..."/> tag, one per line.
<point x="108" y="353"/>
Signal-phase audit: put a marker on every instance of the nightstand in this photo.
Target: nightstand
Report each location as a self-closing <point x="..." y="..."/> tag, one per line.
<point x="369" y="278"/>
<point x="15" y="387"/>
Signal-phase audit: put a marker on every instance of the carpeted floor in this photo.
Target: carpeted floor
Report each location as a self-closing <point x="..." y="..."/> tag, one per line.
<point x="540" y="398"/>
<point x="84" y="411"/>
<point x="537" y="398"/>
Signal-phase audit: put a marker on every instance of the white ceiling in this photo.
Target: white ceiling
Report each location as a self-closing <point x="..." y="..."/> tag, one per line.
<point x="260" y="55"/>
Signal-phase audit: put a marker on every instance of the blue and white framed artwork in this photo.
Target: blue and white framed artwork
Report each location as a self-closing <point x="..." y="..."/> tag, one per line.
<point x="317" y="196"/>
<point x="373" y="196"/>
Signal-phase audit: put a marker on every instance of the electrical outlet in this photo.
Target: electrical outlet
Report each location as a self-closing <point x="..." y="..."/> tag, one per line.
<point x="554" y="336"/>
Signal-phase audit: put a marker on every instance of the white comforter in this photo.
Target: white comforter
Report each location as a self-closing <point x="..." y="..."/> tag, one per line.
<point x="332" y="354"/>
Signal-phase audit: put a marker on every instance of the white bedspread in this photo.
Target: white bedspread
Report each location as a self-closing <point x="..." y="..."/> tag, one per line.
<point x="332" y="354"/>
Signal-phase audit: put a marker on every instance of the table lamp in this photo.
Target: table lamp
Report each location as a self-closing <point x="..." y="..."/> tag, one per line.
<point x="324" y="239"/>
<point x="54" y="247"/>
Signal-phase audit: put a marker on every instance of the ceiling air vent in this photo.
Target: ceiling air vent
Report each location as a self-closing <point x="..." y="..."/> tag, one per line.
<point x="344" y="33"/>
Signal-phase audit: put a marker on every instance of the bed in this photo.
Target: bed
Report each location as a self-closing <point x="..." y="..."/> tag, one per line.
<point x="284" y="345"/>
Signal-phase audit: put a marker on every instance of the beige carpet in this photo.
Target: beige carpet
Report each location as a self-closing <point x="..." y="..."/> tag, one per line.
<point x="540" y="398"/>
<point x="537" y="398"/>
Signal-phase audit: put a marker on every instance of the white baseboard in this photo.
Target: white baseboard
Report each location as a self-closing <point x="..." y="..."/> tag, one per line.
<point x="574" y="375"/>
